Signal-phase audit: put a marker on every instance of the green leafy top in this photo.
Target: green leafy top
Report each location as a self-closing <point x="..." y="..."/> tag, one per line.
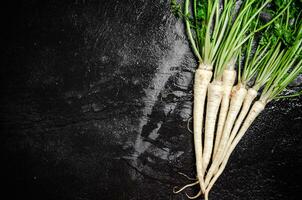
<point x="289" y="67"/>
<point x="271" y="43"/>
<point x="217" y="32"/>
<point x="267" y="33"/>
<point x="285" y="27"/>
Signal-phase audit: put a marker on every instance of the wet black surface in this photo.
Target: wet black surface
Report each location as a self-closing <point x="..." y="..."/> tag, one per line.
<point x="95" y="100"/>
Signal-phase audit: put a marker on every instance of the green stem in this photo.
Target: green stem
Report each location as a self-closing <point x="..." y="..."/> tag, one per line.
<point x="189" y="32"/>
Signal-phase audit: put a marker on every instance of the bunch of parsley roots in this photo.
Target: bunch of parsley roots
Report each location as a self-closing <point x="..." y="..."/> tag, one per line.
<point x="248" y="52"/>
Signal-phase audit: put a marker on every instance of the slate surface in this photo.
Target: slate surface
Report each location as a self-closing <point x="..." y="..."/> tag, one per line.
<point x="95" y="101"/>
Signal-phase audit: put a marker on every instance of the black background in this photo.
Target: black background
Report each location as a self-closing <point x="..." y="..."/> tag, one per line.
<point x="95" y="100"/>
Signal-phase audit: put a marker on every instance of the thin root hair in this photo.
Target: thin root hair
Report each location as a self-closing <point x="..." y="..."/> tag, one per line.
<point x="188" y="124"/>
<point x="183" y="174"/>
<point x="194" y="197"/>
<point x="184" y="187"/>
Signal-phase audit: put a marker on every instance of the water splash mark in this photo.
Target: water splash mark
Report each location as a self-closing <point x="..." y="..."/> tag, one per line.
<point x="156" y="86"/>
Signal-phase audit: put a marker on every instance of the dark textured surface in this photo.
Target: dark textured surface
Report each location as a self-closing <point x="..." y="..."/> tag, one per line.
<point x="95" y="100"/>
